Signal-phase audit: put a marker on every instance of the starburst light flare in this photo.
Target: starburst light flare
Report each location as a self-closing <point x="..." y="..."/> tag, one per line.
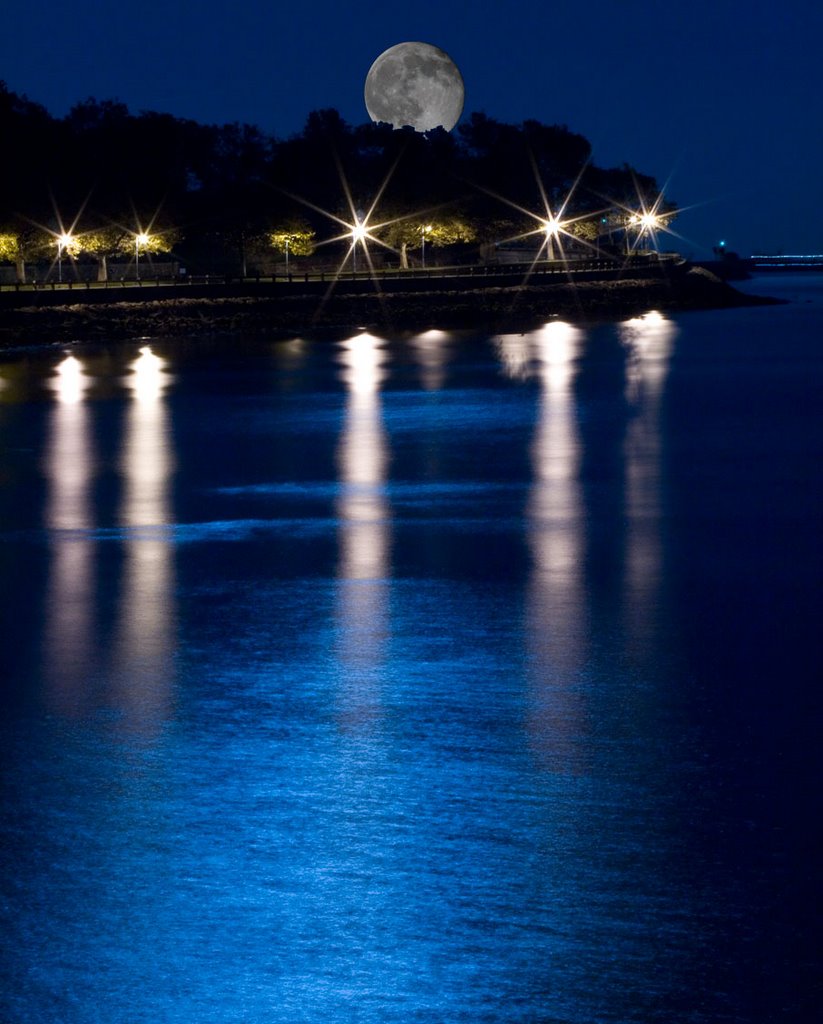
<point x="360" y="230"/>
<point x="552" y="225"/>
<point x="647" y="219"/>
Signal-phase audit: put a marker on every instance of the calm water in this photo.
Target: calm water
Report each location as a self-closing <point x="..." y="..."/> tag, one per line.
<point x="431" y="678"/>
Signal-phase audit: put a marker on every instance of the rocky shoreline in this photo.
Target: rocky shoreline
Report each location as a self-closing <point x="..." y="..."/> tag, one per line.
<point x="491" y="309"/>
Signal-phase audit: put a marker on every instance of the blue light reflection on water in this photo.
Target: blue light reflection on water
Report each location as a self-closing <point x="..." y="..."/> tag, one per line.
<point x="372" y="680"/>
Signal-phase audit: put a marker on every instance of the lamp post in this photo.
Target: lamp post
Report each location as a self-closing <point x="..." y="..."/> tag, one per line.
<point x="63" y="242"/>
<point x="424" y="230"/>
<point x="649" y="223"/>
<point x="358" y="233"/>
<point x="139" y="239"/>
<point x="551" y="227"/>
<point x="287" y="257"/>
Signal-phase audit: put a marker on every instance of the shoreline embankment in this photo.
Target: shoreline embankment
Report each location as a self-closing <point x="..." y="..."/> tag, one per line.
<point x="439" y="305"/>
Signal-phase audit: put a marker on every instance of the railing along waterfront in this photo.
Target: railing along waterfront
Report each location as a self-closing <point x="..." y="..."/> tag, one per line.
<point x="475" y="273"/>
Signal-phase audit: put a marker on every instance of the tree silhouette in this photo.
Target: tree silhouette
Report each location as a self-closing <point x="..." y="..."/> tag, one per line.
<point x="107" y="175"/>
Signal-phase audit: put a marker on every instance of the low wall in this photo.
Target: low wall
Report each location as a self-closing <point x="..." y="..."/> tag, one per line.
<point x="42" y="273"/>
<point x="457" y="280"/>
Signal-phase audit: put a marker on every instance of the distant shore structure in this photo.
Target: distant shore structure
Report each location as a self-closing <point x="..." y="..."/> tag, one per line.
<point x="788" y="262"/>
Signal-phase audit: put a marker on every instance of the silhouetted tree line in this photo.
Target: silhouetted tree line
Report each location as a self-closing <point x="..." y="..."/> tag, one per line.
<point x="227" y="196"/>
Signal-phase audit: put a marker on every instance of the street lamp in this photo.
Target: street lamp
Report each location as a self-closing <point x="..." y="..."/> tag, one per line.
<point x="424" y="230"/>
<point x="552" y="229"/>
<point x="649" y="223"/>
<point x="287" y="257"/>
<point x="645" y="223"/>
<point x="63" y="242"/>
<point x="358" y="233"/>
<point x="139" y="239"/>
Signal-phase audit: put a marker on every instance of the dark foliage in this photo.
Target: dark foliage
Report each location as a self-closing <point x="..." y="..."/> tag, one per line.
<point x="223" y="187"/>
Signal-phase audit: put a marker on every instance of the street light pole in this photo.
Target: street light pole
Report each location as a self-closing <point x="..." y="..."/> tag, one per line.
<point x="63" y="242"/>
<point x="358" y="233"/>
<point x="551" y="230"/>
<point x="287" y="257"/>
<point x="424" y="230"/>
<point x="139" y="239"/>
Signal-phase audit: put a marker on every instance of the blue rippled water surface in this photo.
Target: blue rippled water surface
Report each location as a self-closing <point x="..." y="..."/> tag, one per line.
<point x="414" y="678"/>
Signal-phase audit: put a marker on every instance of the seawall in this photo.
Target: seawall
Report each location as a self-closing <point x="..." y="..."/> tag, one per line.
<point x="430" y="303"/>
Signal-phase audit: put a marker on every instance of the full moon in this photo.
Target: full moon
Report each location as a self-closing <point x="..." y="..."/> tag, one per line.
<point x="414" y="84"/>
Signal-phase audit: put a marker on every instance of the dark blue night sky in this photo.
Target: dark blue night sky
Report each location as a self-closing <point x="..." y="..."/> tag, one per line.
<point x="721" y="98"/>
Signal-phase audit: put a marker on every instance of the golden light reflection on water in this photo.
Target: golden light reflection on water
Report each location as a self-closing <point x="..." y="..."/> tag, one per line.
<point x="556" y="614"/>
<point x="559" y="613"/>
<point x="649" y="340"/>
<point x="289" y="355"/>
<point x="145" y="632"/>
<point x="69" y="638"/>
<point x="554" y="500"/>
<point x="431" y="351"/>
<point x="515" y="352"/>
<point x="69" y="459"/>
<point x="363" y="565"/>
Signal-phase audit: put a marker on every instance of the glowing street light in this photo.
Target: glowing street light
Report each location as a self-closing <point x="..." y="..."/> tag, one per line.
<point x="63" y="242"/>
<point x="140" y="239"/>
<point x="645" y="223"/>
<point x="635" y="221"/>
<point x="552" y="229"/>
<point x="358" y="234"/>
<point x="424" y="230"/>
